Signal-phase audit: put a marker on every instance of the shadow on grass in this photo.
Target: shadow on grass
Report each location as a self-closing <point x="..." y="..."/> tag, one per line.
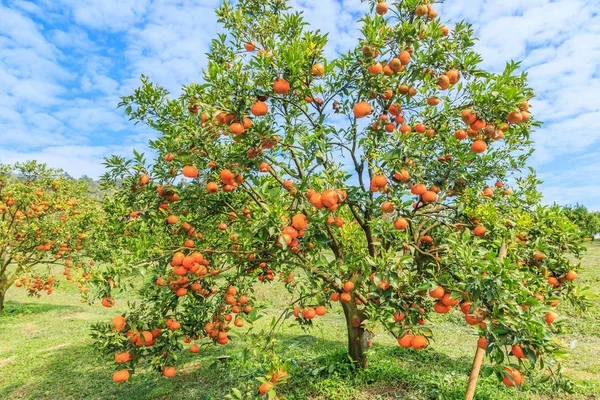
<point x="14" y="308"/>
<point x="319" y="369"/>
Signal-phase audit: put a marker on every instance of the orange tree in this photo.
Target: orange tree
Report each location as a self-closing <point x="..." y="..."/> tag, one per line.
<point x="44" y="219"/>
<point x="378" y="179"/>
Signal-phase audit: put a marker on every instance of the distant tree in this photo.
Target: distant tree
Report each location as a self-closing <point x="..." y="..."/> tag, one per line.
<point x="587" y="221"/>
<point x="44" y="220"/>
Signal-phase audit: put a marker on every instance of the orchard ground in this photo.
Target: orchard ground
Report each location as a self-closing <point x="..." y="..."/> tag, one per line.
<point x="45" y="353"/>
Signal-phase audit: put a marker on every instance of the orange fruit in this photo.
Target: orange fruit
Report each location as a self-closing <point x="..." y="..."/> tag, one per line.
<point x="121" y="376"/>
<point x="479" y="146"/>
<point x="551" y="317"/>
<point x="437" y="293"/>
<point x="387" y="207"/>
<point x="318" y="69"/>
<point x="259" y="108"/>
<point x="418" y="189"/>
<point x="515" y="374"/>
<point x="362" y="109"/>
<point x="348" y="286"/>
<point x="281" y="86"/>
<point x="404" y="57"/>
<point x="517" y="351"/>
<point x="190" y="171"/>
<point x="381" y="8"/>
<point x="169" y="372"/>
<point x="441" y="308"/>
<point x="449" y="301"/>
<point x="401" y="224"/>
<point x="419" y="342"/>
<point x="482" y="343"/>
<point x="479" y="231"/>
<point x="429" y="197"/>
<point x="405" y="341"/>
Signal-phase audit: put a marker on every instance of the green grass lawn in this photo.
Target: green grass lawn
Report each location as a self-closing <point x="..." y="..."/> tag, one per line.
<point x="45" y="353"/>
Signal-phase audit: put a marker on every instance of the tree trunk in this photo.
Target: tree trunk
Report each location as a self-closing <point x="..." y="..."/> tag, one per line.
<point x="358" y="337"/>
<point x="3" y="289"/>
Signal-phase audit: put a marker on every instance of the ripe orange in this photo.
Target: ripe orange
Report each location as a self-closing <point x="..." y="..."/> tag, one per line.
<point x="571" y="275"/>
<point x="169" y="372"/>
<point x="190" y="171"/>
<point x="172" y="219"/>
<point x="318" y="69"/>
<point x="379" y="181"/>
<point x="329" y="198"/>
<point x="315" y="200"/>
<point x="479" y="231"/>
<point x="362" y="109"/>
<point x="429" y="197"/>
<point x="375" y="68"/>
<point x="321" y="310"/>
<point x="437" y="293"/>
<point x="119" y="323"/>
<point x="453" y="74"/>
<point x="250" y="46"/>
<point x="515" y="117"/>
<point x="517" y="351"/>
<point x="418" y="189"/>
<point x="259" y="108"/>
<point x="122" y="357"/>
<point x="449" y="300"/>
<point x="108" y="302"/>
<point x="517" y="377"/>
<point x="212" y="187"/>
<point x="265" y="387"/>
<point x="381" y="8"/>
<point x="395" y="109"/>
<point x="348" y="286"/>
<point x="236" y="128"/>
<point x="404" y="58"/>
<point x="345" y="297"/>
<point x="433" y="101"/>
<point x="401" y="224"/>
<point x="441" y="308"/>
<point x="479" y="146"/>
<point x="121" y="376"/>
<point x="551" y="317"/>
<point x="387" y="207"/>
<point x="482" y="343"/>
<point x="419" y="342"/>
<point x="468" y="117"/>
<point x="281" y="86"/>
<point x="405" y="341"/>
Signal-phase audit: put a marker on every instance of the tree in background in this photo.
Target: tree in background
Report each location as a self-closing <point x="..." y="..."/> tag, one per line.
<point x="375" y="180"/>
<point x="587" y="221"/>
<point x="44" y="220"/>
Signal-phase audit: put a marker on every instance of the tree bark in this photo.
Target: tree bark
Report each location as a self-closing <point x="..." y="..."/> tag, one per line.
<point x="3" y="289"/>
<point x="358" y="337"/>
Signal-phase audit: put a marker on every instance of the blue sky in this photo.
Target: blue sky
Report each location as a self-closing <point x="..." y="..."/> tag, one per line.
<point x="64" y="64"/>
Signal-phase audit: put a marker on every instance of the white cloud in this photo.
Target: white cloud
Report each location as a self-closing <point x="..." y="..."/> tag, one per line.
<point x="63" y="64"/>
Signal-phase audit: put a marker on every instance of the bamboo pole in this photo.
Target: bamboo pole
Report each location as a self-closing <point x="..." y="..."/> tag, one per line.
<point x="480" y="353"/>
<point x="477" y="361"/>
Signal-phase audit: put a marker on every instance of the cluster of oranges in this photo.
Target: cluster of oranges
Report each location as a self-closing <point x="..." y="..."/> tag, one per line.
<point x="37" y="284"/>
<point x="229" y="181"/>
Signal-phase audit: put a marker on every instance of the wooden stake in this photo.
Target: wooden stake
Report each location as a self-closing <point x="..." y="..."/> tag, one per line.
<point x="480" y="353"/>
<point x="477" y="361"/>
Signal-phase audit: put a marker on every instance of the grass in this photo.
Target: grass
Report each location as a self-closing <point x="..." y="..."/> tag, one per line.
<point x="46" y="353"/>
